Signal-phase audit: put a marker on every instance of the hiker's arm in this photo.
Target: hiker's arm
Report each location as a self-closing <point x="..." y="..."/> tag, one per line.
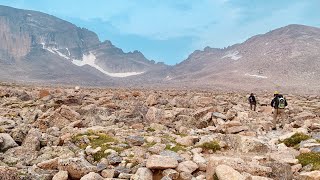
<point x="272" y="103"/>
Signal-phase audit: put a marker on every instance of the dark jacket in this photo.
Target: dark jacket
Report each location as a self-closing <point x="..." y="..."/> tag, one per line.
<point x="252" y="99"/>
<point x="275" y="101"/>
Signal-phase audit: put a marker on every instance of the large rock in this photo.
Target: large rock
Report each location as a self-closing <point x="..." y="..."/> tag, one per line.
<point x="287" y="156"/>
<point x="219" y="115"/>
<point x="26" y="153"/>
<point x="155" y="115"/>
<point x="114" y="159"/>
<point x="161" y="162"/>
<point x="151" y="100"/>
<point x="49" y="154"/>
<point x="108" y="173"/>
<point x="170" y="173"/>
<point x="197" y="158"/>
<point x="172" y="154"/>
<point x="61" y="175"/>
<point x="143" y="174"/>
<point x="187" y="166"/>
<point x="43" y="93"/>
<point x="260" y="178"/>
<point x="7" y="173"/>
<point x="251" y="144"/>
<point x="201" y="112"/>
<point x="237" y="164"/>
<point x="68" y="113"/>
<point x="20" y="155"/>
<point x="304" y="116"/>
<point x="6" y="123"/>
<point x="135" y="140"/>
<point x="313" y="175"/>
<point x="157" y="148"/>
<point x="280" y="171"/>
<point x="187" y="141"/>
<point x="236" y="129"/>
<point x="180" y="102"/>
<point x="32" y="141"/>
<point x="231" y="114"/>
<point x="200" y="101"/>
<point x="186" y="176"/>
<point x="49" y="164"/>
<point x="92" y="176"/>
<point x="60" y="118"/>
<point x="76" y="167"/>
<point x="6" y="142"/>
<point x="224" y="172"/>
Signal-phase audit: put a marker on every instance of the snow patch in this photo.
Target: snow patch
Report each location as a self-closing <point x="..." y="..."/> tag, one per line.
<point x="267" y="43"/>
<point x="257" y="76"/>
<point x="233" y="55"/>
<point x="168" y="78"/>
<point x="55" y="51"/>
<point x="89" y="59"/>
<point x="68" y="52"/>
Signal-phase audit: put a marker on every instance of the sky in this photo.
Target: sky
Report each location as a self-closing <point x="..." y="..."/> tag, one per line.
<point x="170" y="30"/>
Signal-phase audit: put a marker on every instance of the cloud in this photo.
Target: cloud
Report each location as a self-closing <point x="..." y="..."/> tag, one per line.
<point x="169" y="19"/>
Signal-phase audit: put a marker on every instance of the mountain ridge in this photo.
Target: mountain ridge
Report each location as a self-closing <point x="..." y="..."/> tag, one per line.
<point x="39" y="47"/>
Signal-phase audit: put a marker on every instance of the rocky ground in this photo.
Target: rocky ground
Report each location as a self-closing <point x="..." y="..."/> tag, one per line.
<point x="93" y="134"/>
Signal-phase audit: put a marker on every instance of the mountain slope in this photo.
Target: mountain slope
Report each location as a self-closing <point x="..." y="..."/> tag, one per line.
<point x="287" y="57"/>
<point x="38" y="47"/>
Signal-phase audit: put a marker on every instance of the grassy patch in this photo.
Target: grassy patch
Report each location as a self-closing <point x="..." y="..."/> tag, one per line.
<point x="150" y="129"/>
<point x="168" y="138"/>
<point x="96" y="139"/>
<point x="176" y="148"/>
<point x="310" y="158"/>
<point x="150" y="144"/>
<point x="1" y="130"/>
<point x="295" y="139"/>
<point x="212" y="145"/>
<point x="215" y="177"/>
<point x="182" y="135"/>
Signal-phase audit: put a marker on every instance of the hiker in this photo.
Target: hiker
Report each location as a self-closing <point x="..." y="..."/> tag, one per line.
<point x="253" y="102"/>
<point x="278" y="103"/>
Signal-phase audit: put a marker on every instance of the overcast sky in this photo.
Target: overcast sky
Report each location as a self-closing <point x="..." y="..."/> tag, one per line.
<point x="169" y="30"/>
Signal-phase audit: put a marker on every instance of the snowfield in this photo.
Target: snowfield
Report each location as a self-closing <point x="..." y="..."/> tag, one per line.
<point x="233" y="55"/>
<point x="90" y="58"/>
<point x="257" y="76"/>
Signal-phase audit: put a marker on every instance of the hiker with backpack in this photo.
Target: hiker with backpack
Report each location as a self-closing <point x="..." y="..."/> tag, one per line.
<point x="253" y="102"/>
<point x="278" y="103"/>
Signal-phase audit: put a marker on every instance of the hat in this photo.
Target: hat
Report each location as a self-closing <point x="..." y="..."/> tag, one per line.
<point x="276" y="92"/>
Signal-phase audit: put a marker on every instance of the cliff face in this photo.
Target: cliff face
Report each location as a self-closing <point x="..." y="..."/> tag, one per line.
<point x="22" y="30"/>
<point x="39" y="47"/>
<point x="14" y="43"/>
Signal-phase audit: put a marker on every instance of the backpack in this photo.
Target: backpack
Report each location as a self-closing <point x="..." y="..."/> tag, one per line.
<point x="252" y="99"/>
<point x="281" y="103"/>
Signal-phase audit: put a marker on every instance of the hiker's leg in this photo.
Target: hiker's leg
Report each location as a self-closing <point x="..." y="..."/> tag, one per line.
<point x="250" y="106"/>
<point x="274" y="120"/>
<point x="254" y="107"/>
<point x="283" y="117"/>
